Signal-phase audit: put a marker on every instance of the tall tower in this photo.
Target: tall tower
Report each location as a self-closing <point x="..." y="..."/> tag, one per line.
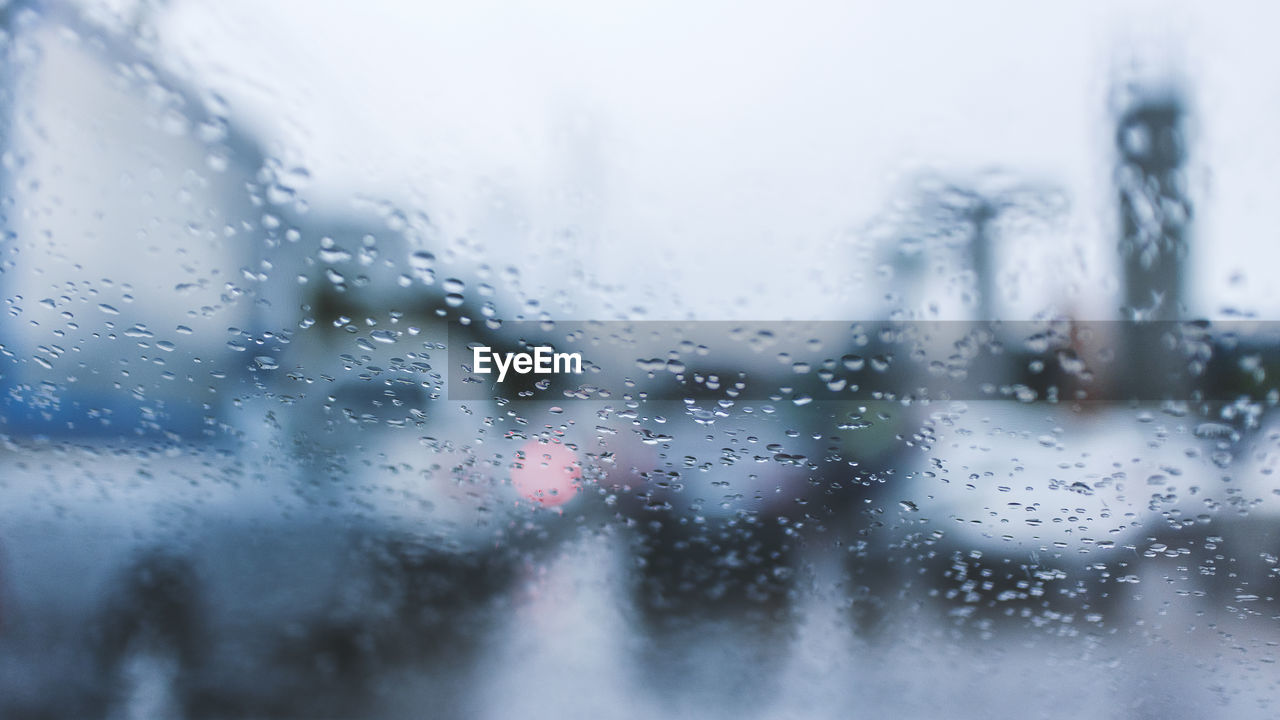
<point x="1155" y="218"/>
<point x="1154" y="210"/>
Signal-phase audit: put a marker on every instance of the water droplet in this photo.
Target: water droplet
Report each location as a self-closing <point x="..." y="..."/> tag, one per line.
<point x="1215" y="431"/>
<point x="334" y="254"/>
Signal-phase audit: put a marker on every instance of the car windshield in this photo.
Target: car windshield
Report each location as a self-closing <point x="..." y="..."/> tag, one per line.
<point x="575" y="360"/>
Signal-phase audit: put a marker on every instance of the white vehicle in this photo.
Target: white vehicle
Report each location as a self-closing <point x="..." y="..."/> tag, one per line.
<point x="1042" y="511"/>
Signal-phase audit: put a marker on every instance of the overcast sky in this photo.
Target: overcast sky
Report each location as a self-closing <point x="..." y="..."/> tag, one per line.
<point x="720" y="159"/>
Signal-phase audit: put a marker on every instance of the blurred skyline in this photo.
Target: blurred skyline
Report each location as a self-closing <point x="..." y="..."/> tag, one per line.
<point x="750" y="128"/>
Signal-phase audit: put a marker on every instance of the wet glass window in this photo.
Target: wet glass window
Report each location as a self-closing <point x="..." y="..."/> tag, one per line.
<point x="560" y="360"/>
